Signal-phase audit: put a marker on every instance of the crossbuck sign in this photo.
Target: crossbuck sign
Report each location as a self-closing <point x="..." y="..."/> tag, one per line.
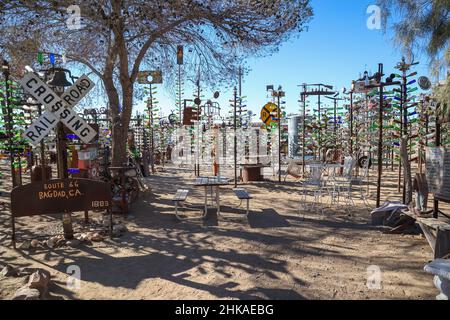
<point x="57" y="108"/>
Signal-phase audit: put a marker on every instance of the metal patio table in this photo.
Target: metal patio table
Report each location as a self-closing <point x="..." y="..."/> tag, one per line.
<point x="211" y="182"/>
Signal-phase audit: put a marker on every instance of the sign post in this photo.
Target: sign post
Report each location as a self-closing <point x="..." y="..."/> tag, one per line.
<point x="58" y="113"/>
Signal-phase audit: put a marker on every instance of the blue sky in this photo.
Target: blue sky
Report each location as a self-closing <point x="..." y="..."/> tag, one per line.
<point x="336" y="49"/>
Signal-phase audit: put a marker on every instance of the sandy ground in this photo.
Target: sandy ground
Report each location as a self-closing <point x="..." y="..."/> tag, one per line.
<point x="277" y="253"/>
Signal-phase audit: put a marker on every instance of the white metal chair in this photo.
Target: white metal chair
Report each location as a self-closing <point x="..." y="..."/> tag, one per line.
<point x="315" y="183"/>
<point x="343" y="184"/>
<point x="363" y="180"/>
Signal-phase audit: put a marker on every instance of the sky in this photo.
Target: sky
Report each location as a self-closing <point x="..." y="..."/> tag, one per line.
<point x="335" y="50"/>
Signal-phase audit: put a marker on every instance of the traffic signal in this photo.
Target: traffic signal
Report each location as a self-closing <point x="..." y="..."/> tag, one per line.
<point x="179" y="55"/>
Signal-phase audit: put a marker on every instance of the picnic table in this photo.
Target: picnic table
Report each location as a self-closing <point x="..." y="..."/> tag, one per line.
<point x="211" y="182"/>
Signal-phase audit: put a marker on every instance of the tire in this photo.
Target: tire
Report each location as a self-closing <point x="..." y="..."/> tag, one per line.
<point x="362" y="162"/>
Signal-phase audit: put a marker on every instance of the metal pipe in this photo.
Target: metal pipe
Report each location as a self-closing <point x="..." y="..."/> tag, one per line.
<point x="380" y="138"/>
<point x="235" y="137"/>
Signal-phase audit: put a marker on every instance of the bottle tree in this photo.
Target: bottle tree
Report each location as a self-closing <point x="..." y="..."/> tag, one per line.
<point x="406" y="99"/>
<point x="151" y="121"/>
<point x="13" y="123"/>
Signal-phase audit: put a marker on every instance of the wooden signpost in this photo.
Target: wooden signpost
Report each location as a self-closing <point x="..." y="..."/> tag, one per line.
<point x="58" y="109"/>
<point x="59" y="196"/>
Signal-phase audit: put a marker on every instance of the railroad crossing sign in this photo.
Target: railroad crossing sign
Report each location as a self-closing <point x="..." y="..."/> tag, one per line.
<point x="269" y="113"/>
<point x="57" y="108"/>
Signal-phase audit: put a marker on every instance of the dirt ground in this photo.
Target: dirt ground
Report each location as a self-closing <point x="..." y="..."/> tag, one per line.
<point x="277" y="253"/>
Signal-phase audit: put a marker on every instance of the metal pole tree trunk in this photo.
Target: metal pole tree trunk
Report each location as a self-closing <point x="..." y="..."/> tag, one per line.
<point x="9" y="128"/>
<point x="304" y="131"/>
<point x="438" y="144"/>
<point x="380" y="138"/>
<point x="235" y="137"/>
<point x="351" y="123"/>
<point x="61" y="148"/>
<point x="320" y="125"/>
<point x="279" y="137"/>
<point x="152" y="132"/>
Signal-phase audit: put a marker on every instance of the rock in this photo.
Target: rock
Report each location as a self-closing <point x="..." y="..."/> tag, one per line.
<point x="50" y="243"/>
<point x="73" y="243"/>
<point x="26" y="271"/>
<point x="34" y="243"/>
<point x="60" y="242"/>
<point x="25" y="245"/>
<point x="96" y="237"/>
<point x="26" y="293"/>
<point x="39" y="280"/>
<point x="8" y="271"/>
<point x="121" y="228"/>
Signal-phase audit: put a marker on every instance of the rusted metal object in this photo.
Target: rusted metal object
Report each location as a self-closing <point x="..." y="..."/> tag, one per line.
<point x="59" y="196"/>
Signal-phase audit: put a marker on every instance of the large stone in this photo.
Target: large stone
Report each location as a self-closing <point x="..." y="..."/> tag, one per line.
<point x="8" y="271"/>
<point x="34" y="243"/>
<point x="39" y="280"/>
<point x="25" y="271"/>
<point x="26" y="293"/>
<point x="60" y="242"/>
<point x="26" y="245"/>
<point x="96" y="237"/>
<point x="118" y="230"/>
<point x="50" y="243"/>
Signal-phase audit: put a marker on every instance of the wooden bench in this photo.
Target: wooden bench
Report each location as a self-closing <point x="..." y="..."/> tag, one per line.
<point x="437" y="233"/>
<point x="180" y="196"/>
<point x="242" y="194"/>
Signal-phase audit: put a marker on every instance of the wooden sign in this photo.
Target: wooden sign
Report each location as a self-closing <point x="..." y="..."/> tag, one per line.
<point x="60" y="195"/>
<point x="438" y="171"/>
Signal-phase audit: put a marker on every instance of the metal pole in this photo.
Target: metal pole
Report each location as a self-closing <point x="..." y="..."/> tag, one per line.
<point x="351" y="123"/>
<point x="405" y="123"/>
<point x="198" y="123"/>
<point x="152" y="132"/>
<point x="8" y="124"/>
<point x="279" y="136"/>
<point x="42" y="147"/>
<point x="335" y="121"/>
<point x="235" y="139"/>
<point x="61" y="147"/>
<point x="179" y="91"/>
<point x="320" y="125"/>
<point x="380" y="138"/>
<point x="304" y="130"/>
<point x="401" y="132"/>
<point x="438" y="144"/>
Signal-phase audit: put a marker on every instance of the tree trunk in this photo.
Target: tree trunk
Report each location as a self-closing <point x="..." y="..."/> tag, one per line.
<point x="406" y="169"/>
<point x="119" y="145"/>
